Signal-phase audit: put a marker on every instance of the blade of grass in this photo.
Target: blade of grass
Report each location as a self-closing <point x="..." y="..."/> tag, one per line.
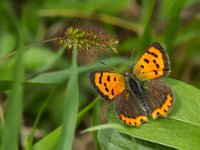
<point x="30" y="138"/>
<point x="70" y="106"/>
<point x="60" y="76"/>
<point x="146" y="21"/>
<point x="10" y="137"/>
<point x="14" y="107"/>
<point x="173" y="25"/>
<point x="49" y="142"/>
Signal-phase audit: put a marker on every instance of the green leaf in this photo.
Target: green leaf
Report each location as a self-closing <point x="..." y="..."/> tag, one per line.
<point x="112" y="139"/>
<point x="60" y="76"/>
<point x="70" y="106"/>
<point x="181" y="128"/>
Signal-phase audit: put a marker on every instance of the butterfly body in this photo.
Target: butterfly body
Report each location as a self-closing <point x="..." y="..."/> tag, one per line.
<point x="135" y="87"/>
<point x="141" y="93"/>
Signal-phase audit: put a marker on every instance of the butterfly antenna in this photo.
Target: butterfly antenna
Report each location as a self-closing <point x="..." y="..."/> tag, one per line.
<point x="108" y="65"/>
<point x="131" y="62"/>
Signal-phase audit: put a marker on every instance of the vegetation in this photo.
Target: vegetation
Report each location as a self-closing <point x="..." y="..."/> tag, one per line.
<point x="46" y="99"/>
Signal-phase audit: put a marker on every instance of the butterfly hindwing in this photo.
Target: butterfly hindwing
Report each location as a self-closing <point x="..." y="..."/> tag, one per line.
<point x="154" y="63"/>
<point x="160" y="97"/>
<point x="108" y="84"/>
<point x="128" y="110"/>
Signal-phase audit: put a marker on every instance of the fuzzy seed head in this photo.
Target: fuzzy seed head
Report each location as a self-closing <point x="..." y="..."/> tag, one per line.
<point x="89" y="39"/>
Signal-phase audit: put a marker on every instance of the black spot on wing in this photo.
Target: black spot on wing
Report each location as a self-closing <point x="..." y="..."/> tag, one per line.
<point x="157" y="66"/>
<point x="112" y="92"/>
<point x="153" y="54"/>
<point x="164" y="57"/>
<point x="108" y="78"/>
<point x="100" y="78"/>
<point x="146" y="60"/>
<point x="156" y="72"/>
<point x="107" y="90"/>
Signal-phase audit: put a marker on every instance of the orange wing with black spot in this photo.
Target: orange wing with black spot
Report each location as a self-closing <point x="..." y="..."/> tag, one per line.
<point x="108" y="84"/>
<point x="154" y="63"/>
<point x="128" y="110"/>
<point x="160" y="97"/>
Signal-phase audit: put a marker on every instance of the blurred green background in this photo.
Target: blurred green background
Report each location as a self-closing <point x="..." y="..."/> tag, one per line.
<point x="136" y="23"/>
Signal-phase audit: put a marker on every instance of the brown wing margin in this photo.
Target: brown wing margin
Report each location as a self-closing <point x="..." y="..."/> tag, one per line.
<point x="164" y="56"/>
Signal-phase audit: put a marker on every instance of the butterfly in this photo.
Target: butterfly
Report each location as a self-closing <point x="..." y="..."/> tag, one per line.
<point x="140" y="93"/>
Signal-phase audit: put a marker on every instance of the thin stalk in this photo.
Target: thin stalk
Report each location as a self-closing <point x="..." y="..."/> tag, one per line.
<point x="27" y="46"/>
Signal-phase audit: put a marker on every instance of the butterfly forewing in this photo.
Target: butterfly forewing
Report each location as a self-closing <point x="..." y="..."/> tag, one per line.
<point x="154" y="63"/>
<point x="108" y="84"/>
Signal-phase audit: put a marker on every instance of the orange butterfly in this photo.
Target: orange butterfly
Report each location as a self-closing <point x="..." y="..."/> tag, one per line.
<point x="141" y="93"/>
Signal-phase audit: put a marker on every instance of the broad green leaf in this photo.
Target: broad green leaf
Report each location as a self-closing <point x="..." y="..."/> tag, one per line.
<point x="112" y="139"/>
<point x="181" y="128"/>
